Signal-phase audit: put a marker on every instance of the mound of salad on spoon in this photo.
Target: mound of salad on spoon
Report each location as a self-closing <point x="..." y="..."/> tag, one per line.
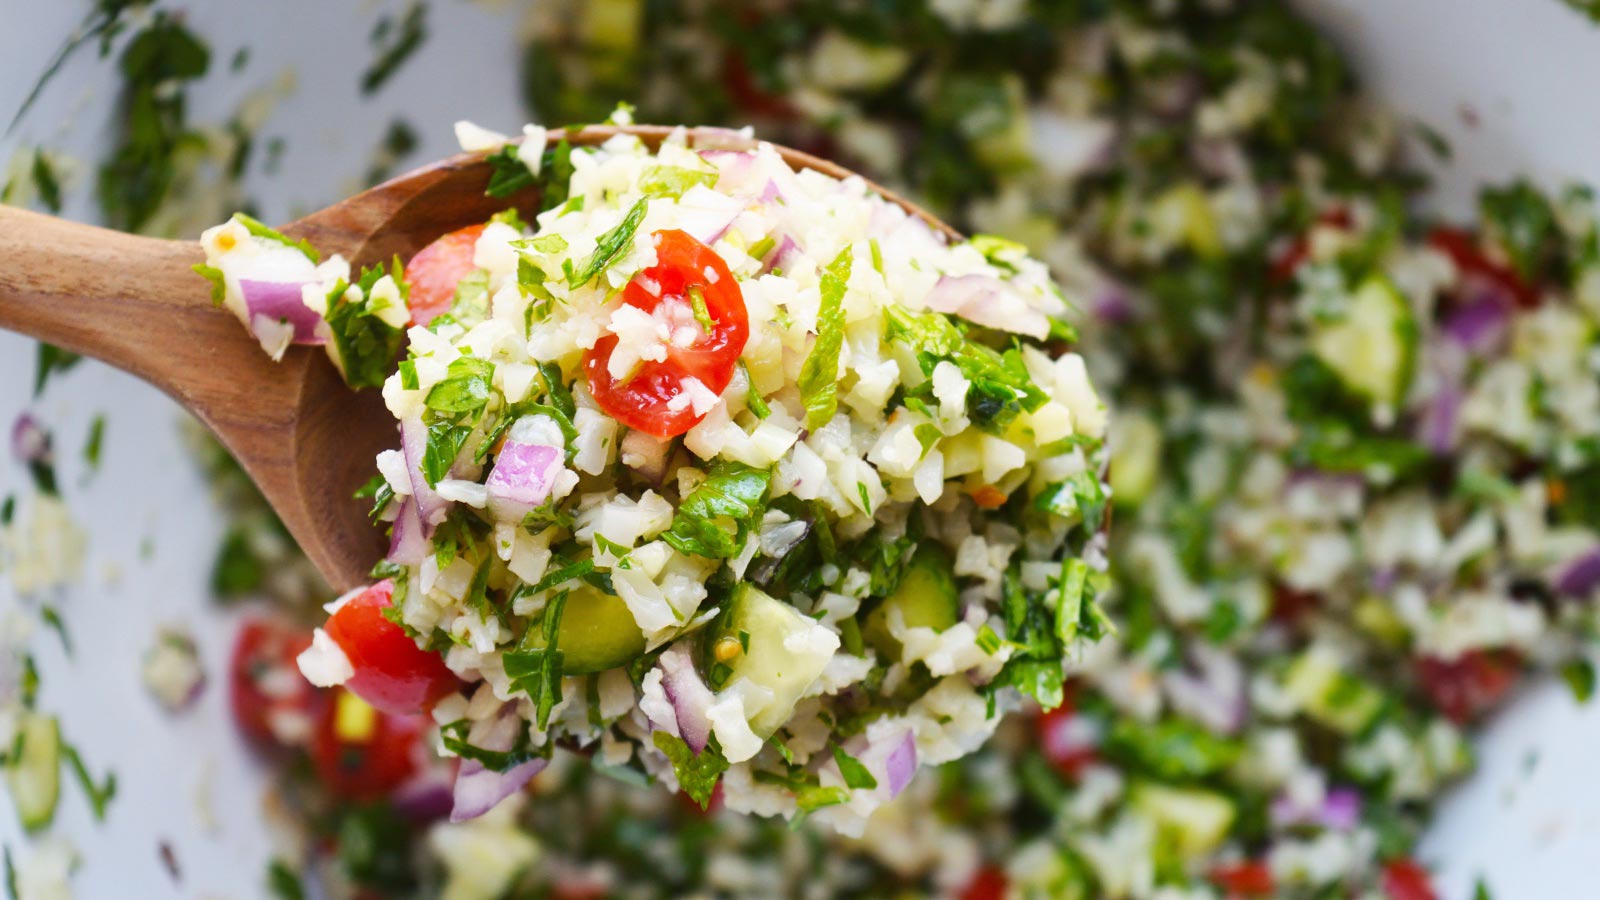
<point x="722" y="471"/>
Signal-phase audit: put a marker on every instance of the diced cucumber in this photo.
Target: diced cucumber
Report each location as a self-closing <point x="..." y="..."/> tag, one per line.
<point x="1136" y="458"/>
<point x="926" y="597"/>
<point x="774" y="647"/>
<point x="1193" y="820"/>
<point x="1378" y="618"/>
<point x="597" y="632"/>
<point x="34" y="776"/>
<point x="1328" y="694"/>
<point x="1183" y="213"/>
<point x="1373" y="346"/>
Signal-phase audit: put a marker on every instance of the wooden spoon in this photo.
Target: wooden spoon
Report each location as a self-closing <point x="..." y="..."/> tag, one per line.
<point x="306" y="439"/>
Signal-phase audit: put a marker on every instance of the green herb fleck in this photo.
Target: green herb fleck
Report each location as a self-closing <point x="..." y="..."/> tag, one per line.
<point x="819" y="374"/>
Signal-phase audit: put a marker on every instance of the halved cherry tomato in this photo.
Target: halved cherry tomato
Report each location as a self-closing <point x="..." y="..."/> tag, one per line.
<point x="436" y="270"/>
<point x="1403" y="879"/>
<point x="1069" y="756"/>
<point x="362" y="753"/>
<point x="1251" y="878"/>
<point x="273" y="705"/>
<point x="643" y="401"/>
<point x="1463" y="248"/>
<point x="1469" y="686"/>
<point x="988" y="883"/>
<point x="391" y="672"/>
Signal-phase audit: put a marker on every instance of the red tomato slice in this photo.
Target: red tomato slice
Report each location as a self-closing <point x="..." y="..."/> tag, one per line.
<point x="1463" y="248"/>
<point x="362" y="753"/>
<point x="1059" y="746"/>
<point x="272" y="704"/>
<point x="1251" y="878"/>
<point x="1403" y="879"/>
<point x="392" y="672"/>
<point x="436" y="270"/>
<point x="1469" y="686"/>
<point x="988" y="883"/>
<point x="642" y="401"/>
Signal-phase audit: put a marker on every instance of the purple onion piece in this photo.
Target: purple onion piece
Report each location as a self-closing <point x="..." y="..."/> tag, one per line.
<point x="30" y="442"/>
<point x="1579" y="577"/>
<point x="1439" y="427"/>
<point x="426" y="798"/>
<point x="1482" y="322"/>
<point x="478" y="790"/>
<point x="281" y="302"/>
<point x="901" y="764"/>
<point x="985" y="300"/>
<point x="689" y="696"/>
<point x="522" y="477"/>
<point x="779" y="257"/>
<point x="431" y="507"/>
<point x="407" y="546"/>
<point x="1341" y="809"/>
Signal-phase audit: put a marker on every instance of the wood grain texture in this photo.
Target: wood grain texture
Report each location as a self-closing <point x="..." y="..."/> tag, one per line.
<point x="306" y="439"/>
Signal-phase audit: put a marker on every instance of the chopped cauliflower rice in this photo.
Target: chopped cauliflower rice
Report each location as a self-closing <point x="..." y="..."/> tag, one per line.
<point x="729" y="471"/>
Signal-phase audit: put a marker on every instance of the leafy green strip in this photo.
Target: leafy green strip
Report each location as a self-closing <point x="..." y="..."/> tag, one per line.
<point x="607" y="247"/>
<point x="716" y="518"/>
<point x="698" y="773"/>
<point x="819" y="375"/>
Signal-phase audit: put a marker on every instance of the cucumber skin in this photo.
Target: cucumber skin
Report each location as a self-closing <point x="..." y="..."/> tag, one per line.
<point x="761" y="623"/>
<point x="926" y="597"/>
<point x="597" y="633"/>
<point x="34" y="779"/>
<point x="1329" y="342"/>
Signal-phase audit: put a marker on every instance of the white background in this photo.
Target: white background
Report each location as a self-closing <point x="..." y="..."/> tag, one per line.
<point x="1524" y="70"/>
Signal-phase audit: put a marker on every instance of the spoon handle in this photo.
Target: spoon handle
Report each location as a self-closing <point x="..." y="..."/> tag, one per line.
<point x="130" y="301"/>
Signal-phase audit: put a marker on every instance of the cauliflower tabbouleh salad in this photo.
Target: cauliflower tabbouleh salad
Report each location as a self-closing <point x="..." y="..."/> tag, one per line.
<point x="1323" y="574"/>
<point x="723" y="470"/>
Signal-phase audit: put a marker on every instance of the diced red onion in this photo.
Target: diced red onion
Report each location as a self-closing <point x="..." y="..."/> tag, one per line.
<point x="1439" y="427"/>
<point x="30" y="442"/>
<point x="707" y="215"/>
<point x="1340" y="810"/>
<point x="1482" y="322"/>
<point x="426" y="798"/>
<point x="407" y="545"/>
<point x="1111" y="303"/>
<point x="987" y="301"/>
<point x="1383" y="580"/>
<point x="733" y="164"/>
<point x="689" y="696"/>
<point x="479" y="789"/>
<point x="281" y="302"/>
<point x="781" y="254"/>
<point x="1579" y="577"/>
<point x="522" y="477"/>
<point x="901" y="763"/>
<point x="431" y="508"/>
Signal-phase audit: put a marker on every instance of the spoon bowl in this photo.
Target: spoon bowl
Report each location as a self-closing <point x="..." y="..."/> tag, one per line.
<point x="303" y="437"/>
